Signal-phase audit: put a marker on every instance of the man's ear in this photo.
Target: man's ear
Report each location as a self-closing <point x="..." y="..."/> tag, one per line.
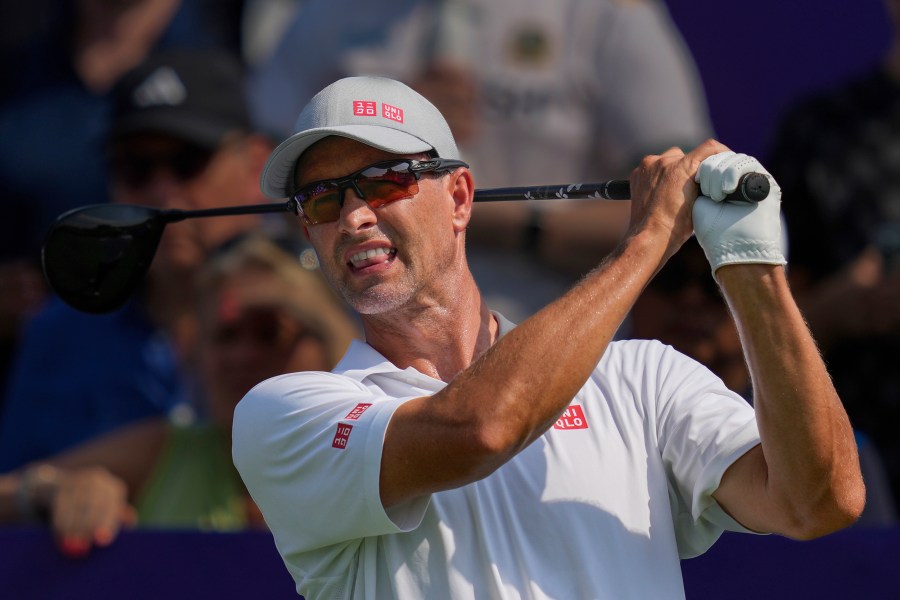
<point x="462" y="190"/>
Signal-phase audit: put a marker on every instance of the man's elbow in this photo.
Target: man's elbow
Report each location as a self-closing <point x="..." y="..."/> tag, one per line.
<point x="833" y="512"/>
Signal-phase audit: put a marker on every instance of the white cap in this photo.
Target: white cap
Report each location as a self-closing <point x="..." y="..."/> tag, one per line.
<point x="376" y="111"/>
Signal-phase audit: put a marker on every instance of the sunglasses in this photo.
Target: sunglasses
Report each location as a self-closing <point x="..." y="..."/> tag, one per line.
<point x="267" y="327"/>
<point x="136" y="168"/>
<point x="378" y="184"/>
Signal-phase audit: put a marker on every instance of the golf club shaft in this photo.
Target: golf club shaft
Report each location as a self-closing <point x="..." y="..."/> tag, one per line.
<point x="753" y="187"/>
<point x="174" y="215"/>
<point x="608" y="190"/>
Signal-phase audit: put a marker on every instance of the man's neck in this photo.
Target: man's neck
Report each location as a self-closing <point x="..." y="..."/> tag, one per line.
<point x="439" y="339"/>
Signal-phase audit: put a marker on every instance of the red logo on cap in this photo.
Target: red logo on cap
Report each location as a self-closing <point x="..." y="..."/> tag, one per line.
<point x="364" y="108"/>
<point x="573" y="418"/>
<point x="341" y="436"/>
<point x="392" y="112"/>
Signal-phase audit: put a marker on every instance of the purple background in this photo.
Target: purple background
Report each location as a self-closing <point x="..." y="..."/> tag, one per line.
<point x="755" y="58"/>
<point x="857" y="564"/>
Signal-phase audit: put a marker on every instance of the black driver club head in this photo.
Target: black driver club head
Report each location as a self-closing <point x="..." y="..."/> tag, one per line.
<point x="96" y="256"/>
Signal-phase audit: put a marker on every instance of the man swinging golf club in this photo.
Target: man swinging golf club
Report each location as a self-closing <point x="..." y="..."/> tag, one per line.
<point x="454" y="455"/>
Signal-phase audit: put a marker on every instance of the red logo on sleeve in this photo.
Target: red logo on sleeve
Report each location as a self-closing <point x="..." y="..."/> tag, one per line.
<point x="358" y="410"/>
<point x="364" y="108"/>
<point x="392" y="112"/>
<point x="573" y="418"/>
<point x="341" y="436"/>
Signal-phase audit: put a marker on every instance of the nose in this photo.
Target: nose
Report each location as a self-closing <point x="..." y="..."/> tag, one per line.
<point x="356" y="215"/>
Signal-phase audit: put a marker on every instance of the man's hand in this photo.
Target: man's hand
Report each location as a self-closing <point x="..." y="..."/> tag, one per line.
<point x="736" y="232"/>
<point x="663" y="190"/>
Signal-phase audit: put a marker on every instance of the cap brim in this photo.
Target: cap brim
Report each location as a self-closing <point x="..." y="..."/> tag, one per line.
<point x="278" y="172"/>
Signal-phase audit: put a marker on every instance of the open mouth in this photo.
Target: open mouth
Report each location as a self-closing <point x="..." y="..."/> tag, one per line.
<point x="372" y="257"/>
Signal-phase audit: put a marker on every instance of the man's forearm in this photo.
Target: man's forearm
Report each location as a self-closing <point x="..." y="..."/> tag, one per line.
<point x="812" y="469"/>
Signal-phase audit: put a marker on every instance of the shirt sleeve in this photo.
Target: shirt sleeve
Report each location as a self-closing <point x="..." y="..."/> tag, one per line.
<point x="702" y="428"/>
<point x="308" y="447"/>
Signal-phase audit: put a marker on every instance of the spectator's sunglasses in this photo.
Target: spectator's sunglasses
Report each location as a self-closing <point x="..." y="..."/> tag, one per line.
<point x="135" y="168"/>
<point x="378" y="184"/>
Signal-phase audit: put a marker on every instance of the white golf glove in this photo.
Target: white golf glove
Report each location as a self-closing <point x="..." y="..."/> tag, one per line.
<point x="736" y="232"/>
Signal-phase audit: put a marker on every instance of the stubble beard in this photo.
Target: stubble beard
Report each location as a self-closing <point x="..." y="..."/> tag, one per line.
<point x="377" y="298"/>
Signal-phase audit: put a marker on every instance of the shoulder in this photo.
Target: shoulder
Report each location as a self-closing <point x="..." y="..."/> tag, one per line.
<point x="301" y="418"/>
<point x="302" y="397"/>
<point x="634" y="353"/>
<point x="310" y="387"/>
<point x="649" y="365"/>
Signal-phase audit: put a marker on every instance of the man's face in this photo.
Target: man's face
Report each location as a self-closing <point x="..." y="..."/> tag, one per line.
<point x="411" y="243"/>
<point x="164" y="172"/>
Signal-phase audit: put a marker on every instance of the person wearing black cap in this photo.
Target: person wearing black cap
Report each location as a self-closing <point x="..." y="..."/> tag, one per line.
<point x="180" y="138"/>
<point x="59" y="61"/>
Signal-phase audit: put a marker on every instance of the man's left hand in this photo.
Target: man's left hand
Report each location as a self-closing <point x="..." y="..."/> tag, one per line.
<point x="736" y="232"/>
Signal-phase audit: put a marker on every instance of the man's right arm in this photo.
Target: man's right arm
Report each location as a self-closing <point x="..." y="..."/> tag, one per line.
<point x="516" y="390"/>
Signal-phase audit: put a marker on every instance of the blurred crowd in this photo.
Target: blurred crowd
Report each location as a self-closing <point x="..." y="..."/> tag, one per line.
<point x="177" y="104"/>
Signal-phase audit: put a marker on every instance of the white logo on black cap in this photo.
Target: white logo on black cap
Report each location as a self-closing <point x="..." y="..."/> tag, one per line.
<point x="163" y="86"/>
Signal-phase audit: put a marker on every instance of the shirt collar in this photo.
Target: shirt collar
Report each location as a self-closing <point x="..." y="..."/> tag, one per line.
<point x="362" y="360"/>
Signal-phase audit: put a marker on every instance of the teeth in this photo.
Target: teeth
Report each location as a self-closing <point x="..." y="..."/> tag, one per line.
<point x="371" y="253"/>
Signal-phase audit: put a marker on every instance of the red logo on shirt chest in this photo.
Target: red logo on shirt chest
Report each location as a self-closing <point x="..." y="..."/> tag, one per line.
<point x="573" y="418"/>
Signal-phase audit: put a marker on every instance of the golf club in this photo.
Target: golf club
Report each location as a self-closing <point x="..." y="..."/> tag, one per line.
<point x="96" y="256"/>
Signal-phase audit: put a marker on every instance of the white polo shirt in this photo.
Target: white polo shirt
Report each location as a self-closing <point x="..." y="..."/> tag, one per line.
<point x="603" y="505"/>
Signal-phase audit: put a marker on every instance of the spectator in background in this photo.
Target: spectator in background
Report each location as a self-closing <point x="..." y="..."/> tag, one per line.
<point x="836" y="158"/>
<point x="260" y="314"/>
<point x="263" y="22"/>
<point x="58" y="62"/>
<point x="536" y="92"/>
<point x="181" y="138"/>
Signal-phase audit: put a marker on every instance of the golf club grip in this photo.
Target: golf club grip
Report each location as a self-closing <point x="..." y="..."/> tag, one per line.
<point x="752" y="187"/>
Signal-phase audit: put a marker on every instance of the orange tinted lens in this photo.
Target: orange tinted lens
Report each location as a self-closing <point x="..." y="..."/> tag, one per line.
<point x="379" y="193"/>
<point x="380" y="186"/>
<point x="320" y="203"/>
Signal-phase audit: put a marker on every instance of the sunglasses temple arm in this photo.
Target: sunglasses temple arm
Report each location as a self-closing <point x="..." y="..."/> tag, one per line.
<point x="175" y="215"/>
